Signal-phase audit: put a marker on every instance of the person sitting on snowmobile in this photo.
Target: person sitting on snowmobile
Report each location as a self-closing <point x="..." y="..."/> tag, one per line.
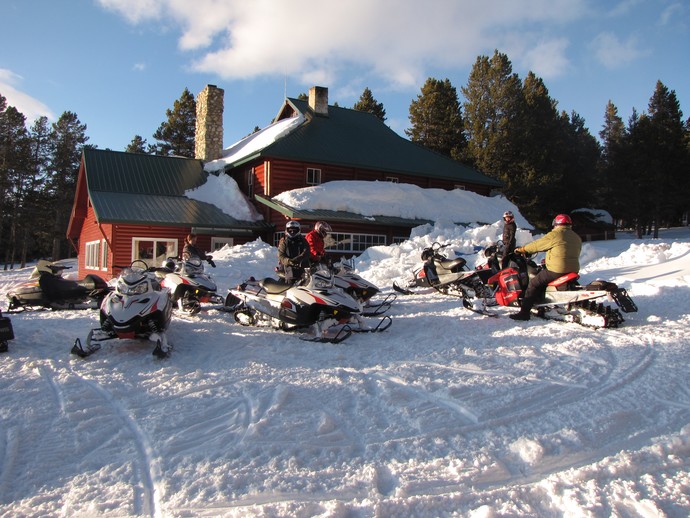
<point x="562" y="246"/>
<point x="509" y="229"/>
<point x="315" y="238"/>
<point x="293" y="252"/>
<point x="191" y="250"/>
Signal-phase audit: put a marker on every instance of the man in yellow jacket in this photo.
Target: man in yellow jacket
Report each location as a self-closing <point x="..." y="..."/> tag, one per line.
<point x="562" y="246"/>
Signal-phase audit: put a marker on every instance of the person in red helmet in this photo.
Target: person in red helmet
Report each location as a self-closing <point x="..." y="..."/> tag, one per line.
<point x="315" y="238"/>
<point x="562" y="246"/>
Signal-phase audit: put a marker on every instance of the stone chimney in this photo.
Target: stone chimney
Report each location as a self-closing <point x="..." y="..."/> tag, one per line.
<point x="208" y="138"/>
<point x="318" y="100"/>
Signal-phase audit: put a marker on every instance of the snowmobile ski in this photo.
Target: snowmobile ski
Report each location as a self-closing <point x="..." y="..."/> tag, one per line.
<point x="400" y="289"/>
<point x="339" y="335"/>
<point x="374" y="309"/>
<point x="382" y="325"/>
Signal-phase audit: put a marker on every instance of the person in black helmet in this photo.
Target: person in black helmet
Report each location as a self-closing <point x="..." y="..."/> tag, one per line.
<point x="509" y="230"/>
<point x="293" y="252"/>
<point x="562" y="246"/>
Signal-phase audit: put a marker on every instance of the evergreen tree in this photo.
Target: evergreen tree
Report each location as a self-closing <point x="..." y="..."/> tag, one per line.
<point x="669" y="166"/>
<point x="612" y="166"/>
<point x="437" y="121"/>
<point x="15" y="158"/>
<point x="493" y="113"/>
<point x="68" y="140"/>
<point x="137" y="145"/>
<point x="367" y="103"/>
<point x="175" y="136"/>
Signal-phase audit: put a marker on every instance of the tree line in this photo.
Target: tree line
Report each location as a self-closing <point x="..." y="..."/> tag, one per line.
<point x="506" y="127"/>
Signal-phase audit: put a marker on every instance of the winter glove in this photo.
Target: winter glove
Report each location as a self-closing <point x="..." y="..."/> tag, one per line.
<point x="519" y="250"/>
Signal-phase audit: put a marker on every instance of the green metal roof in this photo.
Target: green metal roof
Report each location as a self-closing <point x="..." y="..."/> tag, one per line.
<point x="339" y="215"/>
<point x="353" y="138"/>
<point x="149" y="190"/>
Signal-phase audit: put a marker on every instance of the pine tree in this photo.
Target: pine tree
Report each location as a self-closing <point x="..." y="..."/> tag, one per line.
<point x="175" y="136"/>
<point x="612" y="166"/>
<point x="15" y="158"/>
<point x="137" y="145"/>
<point x="367" y="103"/>
<point x="68" y="140"/>
<point x="437" y="121"/>
<point x="493" y="113"/>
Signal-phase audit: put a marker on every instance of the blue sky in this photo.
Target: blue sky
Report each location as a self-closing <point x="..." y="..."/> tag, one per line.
<point x="119" y="64"/>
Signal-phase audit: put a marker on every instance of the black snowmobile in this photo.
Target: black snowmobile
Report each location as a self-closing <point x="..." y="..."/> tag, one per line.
<point x="47" y="289"/>
<point x="6" y="333"/>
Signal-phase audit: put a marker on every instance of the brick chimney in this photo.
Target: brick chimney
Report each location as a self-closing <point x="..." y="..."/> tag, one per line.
<point x="208" y="138"/>
<point x="318" y="100"/>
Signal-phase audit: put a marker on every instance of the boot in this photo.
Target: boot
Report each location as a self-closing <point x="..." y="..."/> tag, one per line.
<point x="3" y="346"/>
<point x="521" y="315"/>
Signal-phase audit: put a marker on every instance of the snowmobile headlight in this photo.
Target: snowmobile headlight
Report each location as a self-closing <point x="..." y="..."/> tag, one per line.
<point x="136" y="289"/>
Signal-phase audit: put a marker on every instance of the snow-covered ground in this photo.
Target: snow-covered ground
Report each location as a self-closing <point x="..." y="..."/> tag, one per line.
<point x="448" y="413"/>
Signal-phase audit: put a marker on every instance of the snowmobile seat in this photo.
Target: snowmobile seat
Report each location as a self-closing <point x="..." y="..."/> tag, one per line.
<point x="453" y="264"/>
<point x="57" y="288"/>
<point x="274" y="286"/>
<point x="93" y="282"/>
<point x="564" y="281"/>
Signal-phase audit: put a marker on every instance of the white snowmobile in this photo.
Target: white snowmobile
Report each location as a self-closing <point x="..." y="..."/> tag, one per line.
<point x="315" y="304"/>
<point x="360" y="288"/>
<point x="138" y="308"/>
<point x="565" y="299"/>
<point x="189" y="285"/>
<point x="47" y="289"/>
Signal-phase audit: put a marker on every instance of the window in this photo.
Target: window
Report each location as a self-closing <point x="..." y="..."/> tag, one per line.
<point x="153" y="251"/>
<point x="219" y="242"/>
<point x="104" y="254"/>
<point x="313" y="176"/>
<point x="93" y="253"/>
<point x="461" y="187"/>
<point x="355" y="242"/>
<point x="392" y="179"/>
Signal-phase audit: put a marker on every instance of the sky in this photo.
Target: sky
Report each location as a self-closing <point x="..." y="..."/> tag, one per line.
<point x="446" y="413"/>
<point x="120" y="64"/>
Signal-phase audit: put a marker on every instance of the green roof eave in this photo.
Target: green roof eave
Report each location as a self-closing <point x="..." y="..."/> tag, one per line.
<point x="339" y="215"/>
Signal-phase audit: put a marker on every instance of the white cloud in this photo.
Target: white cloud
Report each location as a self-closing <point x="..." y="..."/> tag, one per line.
<point x="548" y="58"/>
<point x="31" y="108"/>
<point x="396" y="40"/>
<point x="612" y="52"/>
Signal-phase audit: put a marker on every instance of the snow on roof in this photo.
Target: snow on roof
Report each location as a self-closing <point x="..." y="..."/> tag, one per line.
<point x="223" y="192"/>
<point x="402" y="200"/>
<point x="254" y="142"/>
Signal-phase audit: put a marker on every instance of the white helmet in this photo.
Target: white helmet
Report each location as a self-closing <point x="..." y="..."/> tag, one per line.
<point x="292" y="229"/>
<point x="322" y="228"/>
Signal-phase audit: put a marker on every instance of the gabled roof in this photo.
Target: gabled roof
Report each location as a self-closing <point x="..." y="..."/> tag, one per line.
<point x="353" y="138"/>
<point x="338" y="215"/>
<point x="150" y="190"/>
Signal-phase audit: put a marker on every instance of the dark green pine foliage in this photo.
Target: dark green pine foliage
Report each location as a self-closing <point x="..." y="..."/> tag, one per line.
<point x="175" y="136"/>
<point x="581" y="155"/>
<point x="137" y="145"/>
<point x="493" y="113"/>
<point x="367" y="103"/>
<point x="68" y="140"/>
<point x="15" y="162"/>
<point x="616" y="190"/>
<point x="437" y="121"/>
<point x="668" y="164"/>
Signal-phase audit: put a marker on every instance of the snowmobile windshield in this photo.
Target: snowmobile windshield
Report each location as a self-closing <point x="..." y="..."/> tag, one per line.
<point x="193" y="265"/>
<point x="322" y="280"/>
<point x="132" y="282"/>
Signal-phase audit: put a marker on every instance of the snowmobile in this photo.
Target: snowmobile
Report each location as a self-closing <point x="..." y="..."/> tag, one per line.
<point x="138" y="308"/>
<point x="189" y="284"/>
<point x="314" y="304"/>
<point x="450" y="277"/>
<point x="6" y="333"/>
<point x="565" y="299"/>
<point x="47" y="289"/>
<point x="359" y="288"/>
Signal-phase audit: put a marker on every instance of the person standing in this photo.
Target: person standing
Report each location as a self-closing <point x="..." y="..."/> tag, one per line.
<point x="191" y="250"/>
<point x="509" y="230"/>
<point x="293" y="252"/>
<point x="562" y="246"/>
<point x="316" y="238"/>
